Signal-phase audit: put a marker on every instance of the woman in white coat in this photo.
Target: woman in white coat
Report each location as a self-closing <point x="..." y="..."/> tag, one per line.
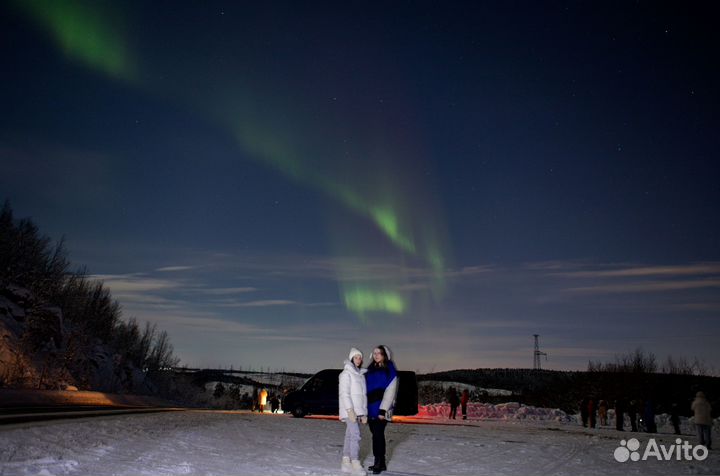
<point x="353" y="408"/>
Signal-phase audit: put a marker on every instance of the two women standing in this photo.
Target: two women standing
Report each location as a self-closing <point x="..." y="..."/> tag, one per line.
<point x="370" y="395"/>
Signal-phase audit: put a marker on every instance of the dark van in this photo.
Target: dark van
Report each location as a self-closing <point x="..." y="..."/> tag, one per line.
<point x="319" y="395"/>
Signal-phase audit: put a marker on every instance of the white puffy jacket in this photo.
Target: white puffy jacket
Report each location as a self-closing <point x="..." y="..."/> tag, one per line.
<point x="703" y="411"/>
<point x="353" y="391"/>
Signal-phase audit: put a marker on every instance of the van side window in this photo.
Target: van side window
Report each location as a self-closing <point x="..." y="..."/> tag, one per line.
<point x="331" y="384"/>
<point x="315" y="384"/>
<point x="325" y="382"/>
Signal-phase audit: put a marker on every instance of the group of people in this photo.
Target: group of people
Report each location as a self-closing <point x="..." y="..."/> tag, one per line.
<point x="367" y="396"/>
<point x="454" y="400"/>
<point x="260" y="401"/>
<point x="642" y="416"/>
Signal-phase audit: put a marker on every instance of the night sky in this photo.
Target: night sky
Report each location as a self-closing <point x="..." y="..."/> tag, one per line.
<point x="274" y="182"/>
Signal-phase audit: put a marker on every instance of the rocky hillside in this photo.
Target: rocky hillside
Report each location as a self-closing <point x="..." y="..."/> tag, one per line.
<point x="38" y="349"/>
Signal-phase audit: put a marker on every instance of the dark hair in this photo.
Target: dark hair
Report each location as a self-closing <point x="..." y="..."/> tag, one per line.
<point x="385" y="361"/>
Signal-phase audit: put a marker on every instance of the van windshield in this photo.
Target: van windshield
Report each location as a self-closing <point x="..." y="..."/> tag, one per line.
<point x="322" y="382"/>
<point x="316" y="384"/>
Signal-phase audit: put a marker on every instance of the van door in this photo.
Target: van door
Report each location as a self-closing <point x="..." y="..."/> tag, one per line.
<point x="406" y="402"/>
<point x="320" y="393"/>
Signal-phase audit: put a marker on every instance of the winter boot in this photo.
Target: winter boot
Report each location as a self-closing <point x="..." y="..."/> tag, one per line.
<point x="378" y="467"/>
<point x="346" y="466"/>
<point x="357" y="469"/>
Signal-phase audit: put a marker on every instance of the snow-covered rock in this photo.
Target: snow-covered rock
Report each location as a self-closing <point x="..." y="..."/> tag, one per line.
<point x="10" y="309"/>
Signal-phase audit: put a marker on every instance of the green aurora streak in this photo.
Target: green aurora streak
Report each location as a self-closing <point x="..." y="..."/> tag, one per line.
<point x="86" y="35"/>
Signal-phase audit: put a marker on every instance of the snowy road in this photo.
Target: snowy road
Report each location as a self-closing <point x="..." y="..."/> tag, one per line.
<point x="241" y="443"/>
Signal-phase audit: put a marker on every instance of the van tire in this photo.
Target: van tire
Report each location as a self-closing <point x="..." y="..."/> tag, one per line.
<point x="298" y="411"/>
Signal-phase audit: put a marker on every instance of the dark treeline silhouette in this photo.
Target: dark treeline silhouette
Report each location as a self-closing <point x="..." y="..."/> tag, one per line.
<point x="641" y="361"/>
<point x="566" y="389"/>
<point x="65" y="315"/>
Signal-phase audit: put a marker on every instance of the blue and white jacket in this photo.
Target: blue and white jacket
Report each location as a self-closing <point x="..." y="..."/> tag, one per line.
<point x="382" y="384"/>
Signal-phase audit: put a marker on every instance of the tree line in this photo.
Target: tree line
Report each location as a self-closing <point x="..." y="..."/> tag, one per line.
<point x="89" y="315"/>
<point x="641" y="361"/>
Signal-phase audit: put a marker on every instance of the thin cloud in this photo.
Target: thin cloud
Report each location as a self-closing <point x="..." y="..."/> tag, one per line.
<point x="135" y="283"/>
<point x="414" y="287"/>
<point x="344" y="269"/>
<point x="554" y="265"/>
<point x="194" y="322"/>
<point x="469" y="271"/>
<point x="501" y="324"/>
<point x="261" y="303"/>
<point x="167" y="269"/>
<point x="583" y="352"/>
<point x="699" y="306"/>
<point x="321" y="304"/>
<point x="227" y="291"/>
<point x="646" y="287"/>
<point x="643" y="271"/>
<point x="148" y="299"/>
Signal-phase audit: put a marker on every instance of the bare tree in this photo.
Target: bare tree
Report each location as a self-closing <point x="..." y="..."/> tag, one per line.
<point x="682" y="366"/>
<point x="638" y="361"/>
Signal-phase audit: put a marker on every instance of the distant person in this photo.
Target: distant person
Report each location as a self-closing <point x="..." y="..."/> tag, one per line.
<point x="352" y="400"/>
<point x="632" y="413"/>
<point x="584" y="411"/>
<point x="274" y="404"/>
<point x="702" y="411"/>
<point x="649" y="416"/>
<point x="464" y="401"/>
<point x="619" y="414"/>
<point x="603" y="412"/>
<point x="675" y="417"/>
<point x="453" y="400"/>
<point x="255" y="399"/>
<point x="382" y="384"/>
<point x="592" y="413"/>
<point x="263" y="400"/>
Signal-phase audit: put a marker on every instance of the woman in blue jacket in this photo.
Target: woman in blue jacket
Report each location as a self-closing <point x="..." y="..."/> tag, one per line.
<point x="382" y="384"/>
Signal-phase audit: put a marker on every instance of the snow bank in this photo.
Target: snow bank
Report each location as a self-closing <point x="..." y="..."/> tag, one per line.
<point x="514" y="411"/>
<point x="459" y="386"/>
<point x="501" y="411"/>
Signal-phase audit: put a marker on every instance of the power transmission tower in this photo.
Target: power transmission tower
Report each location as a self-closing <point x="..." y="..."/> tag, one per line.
<point x="537" y="354"/>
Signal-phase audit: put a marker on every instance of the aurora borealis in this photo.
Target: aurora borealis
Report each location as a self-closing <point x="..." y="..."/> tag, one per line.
<point x="287" y="175"/>
<point x="83" y="33"/>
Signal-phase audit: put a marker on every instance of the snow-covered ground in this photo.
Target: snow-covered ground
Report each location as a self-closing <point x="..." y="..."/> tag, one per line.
<point x="243" y="443"/>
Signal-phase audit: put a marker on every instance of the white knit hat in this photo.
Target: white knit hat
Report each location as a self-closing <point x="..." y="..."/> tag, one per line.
<point x="353" y="353"/>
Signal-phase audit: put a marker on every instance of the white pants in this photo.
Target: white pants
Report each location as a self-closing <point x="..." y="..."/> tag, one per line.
<point x="351" y="447"/>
